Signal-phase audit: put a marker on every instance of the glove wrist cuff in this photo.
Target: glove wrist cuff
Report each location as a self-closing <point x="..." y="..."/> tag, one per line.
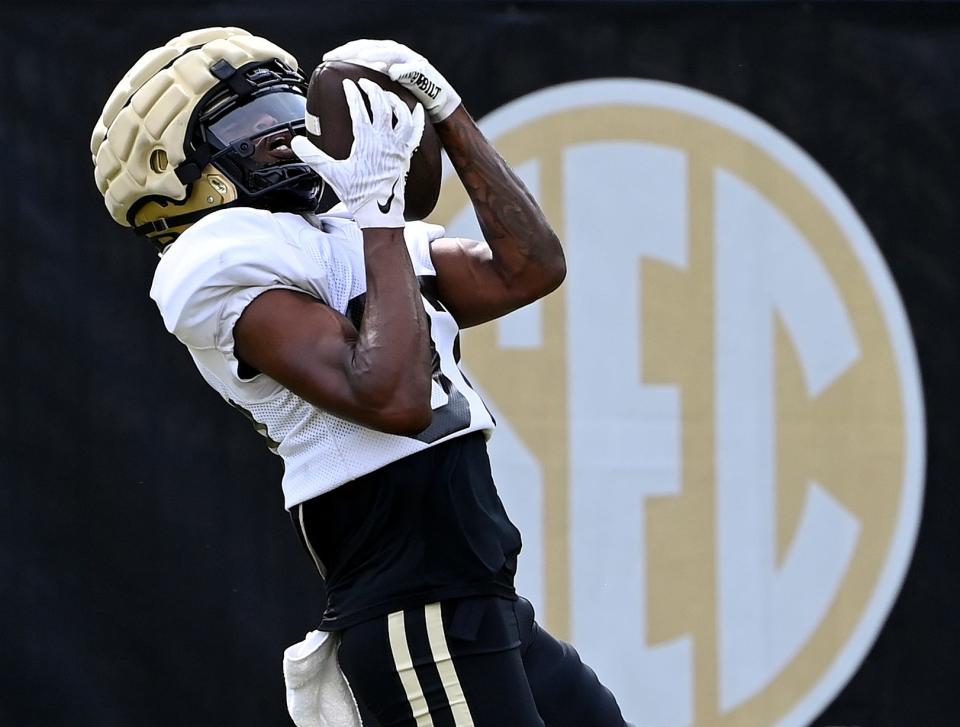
<point x="372" y="214"/>
<point x="444" y="112"/>
<point x="441" y="113"/>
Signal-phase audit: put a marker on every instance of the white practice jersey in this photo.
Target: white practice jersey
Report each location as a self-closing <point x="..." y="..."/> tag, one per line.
<point x="223" y="262"/>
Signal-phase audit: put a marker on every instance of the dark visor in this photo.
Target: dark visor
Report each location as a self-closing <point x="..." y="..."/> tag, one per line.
<point x="260" y="115"/>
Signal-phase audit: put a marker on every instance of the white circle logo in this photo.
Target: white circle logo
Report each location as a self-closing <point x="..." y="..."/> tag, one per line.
<point x="712" y="435"/>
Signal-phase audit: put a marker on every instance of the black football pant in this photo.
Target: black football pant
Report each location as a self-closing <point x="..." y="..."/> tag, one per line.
<point x="481" y="662"/>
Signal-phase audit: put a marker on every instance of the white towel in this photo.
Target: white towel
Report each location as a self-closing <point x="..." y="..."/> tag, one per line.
<point x="318" y="694"/>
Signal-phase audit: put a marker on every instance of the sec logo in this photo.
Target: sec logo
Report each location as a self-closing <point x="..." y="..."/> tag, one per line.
<point x="712" y="435"/>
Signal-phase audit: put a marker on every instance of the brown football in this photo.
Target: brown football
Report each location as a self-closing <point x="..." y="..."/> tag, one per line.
<point x="326" y="100"/>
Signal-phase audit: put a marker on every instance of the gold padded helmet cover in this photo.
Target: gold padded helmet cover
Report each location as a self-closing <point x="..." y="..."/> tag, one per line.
<point x="146" y="117"/>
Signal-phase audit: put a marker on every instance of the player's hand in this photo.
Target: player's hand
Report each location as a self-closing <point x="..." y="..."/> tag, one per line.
<point x="406" y="67"/>
<point x="370" y="182"/>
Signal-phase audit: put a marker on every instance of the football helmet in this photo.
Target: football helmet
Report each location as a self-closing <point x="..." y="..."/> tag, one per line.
<point x="202" y="123"/>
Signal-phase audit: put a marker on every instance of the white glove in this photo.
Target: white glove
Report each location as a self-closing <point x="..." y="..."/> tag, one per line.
<point x="407" y="67"/>
<point x="371" y="181"/>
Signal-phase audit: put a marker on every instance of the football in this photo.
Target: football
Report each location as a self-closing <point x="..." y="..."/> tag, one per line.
<point x="326" y="100"/>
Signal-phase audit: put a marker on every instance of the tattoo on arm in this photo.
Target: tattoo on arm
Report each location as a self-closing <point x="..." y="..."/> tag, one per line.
<point x="511" y="220"/>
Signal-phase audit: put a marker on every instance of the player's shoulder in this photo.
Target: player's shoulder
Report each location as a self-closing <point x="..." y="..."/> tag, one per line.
<point x="233" y="231"/>
<point x="229" y="220"/>
<point x="228" y="250"/>
<point x="226" y="244"/>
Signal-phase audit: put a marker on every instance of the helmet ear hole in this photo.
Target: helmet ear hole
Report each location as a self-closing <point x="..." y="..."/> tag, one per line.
<point x="159" y="161"/>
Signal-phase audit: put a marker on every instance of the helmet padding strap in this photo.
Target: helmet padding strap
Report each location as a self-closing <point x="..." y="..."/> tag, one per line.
<point x="240" y="85"/>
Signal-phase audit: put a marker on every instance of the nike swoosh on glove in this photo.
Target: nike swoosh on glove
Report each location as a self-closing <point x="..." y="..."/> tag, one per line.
<point x="371" y="180"/>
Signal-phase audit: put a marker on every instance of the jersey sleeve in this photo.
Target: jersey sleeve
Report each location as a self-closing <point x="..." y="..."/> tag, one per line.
<point x="418" y="236"/>
<point x="215" y="270"/>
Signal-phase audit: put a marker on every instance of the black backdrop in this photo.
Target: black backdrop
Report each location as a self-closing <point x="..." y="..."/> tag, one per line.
<point x="149" y="573"/>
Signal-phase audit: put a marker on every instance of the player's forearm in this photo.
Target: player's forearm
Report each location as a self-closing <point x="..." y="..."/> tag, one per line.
<point x="526" y="250"/>
<point x="391" y="359"/>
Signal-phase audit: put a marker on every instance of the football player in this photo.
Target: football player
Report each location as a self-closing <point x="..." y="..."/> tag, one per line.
<point x="336" y="334"/>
